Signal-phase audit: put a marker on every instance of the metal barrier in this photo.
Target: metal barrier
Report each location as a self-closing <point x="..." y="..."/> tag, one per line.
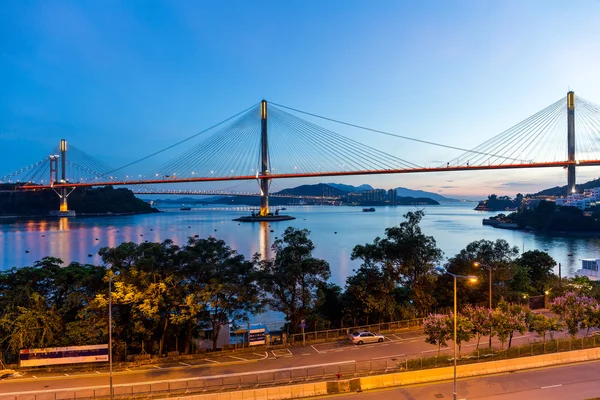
<point x="343" y="332"/>
<point x="296" y="375"/>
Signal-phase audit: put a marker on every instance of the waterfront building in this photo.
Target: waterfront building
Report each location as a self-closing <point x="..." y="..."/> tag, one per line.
<point x="586" y="200"/>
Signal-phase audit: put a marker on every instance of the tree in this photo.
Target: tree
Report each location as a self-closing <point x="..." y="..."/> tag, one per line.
<point x="406" y="256"/>
<point x="227" y="289"/>
<point x="539" y="266"/>
<point x="464" y="329"/>
<point x="329" y="304"/>
<point x="437" y="329"/>
<point x="292" y="277"/>
<point x="368" y="294"/>
<point x="576" y="311"/>
<point x="542" y="324"/>
<point x="481" y="317"/>
<point x="508" y="318"/>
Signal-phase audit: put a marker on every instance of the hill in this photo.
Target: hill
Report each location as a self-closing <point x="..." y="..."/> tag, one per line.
<point x="321" y="189"/>
<point x="350" y="188"/>
<point x="562" y="190"/>
<point x="405" y="192"/>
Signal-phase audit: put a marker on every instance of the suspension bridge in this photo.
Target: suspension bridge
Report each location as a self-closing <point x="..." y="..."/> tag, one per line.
<point x="267" y="142"/>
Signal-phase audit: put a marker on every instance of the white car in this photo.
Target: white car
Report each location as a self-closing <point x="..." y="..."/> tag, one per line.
<point x="365" y="337"/>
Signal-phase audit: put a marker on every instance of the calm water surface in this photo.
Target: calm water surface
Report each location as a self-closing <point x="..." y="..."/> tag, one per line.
<point x="453" y="227"/>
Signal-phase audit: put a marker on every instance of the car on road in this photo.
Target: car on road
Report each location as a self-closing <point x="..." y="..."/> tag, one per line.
<point x="365" y="337"/>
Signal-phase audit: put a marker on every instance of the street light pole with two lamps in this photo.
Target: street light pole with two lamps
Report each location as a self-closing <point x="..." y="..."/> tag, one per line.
<point x="470" y="278"/>
<point x="110" y="374"/>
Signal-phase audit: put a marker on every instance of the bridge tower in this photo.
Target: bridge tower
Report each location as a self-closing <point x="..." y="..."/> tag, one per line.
<point x="264" y="155"/>
<point x="571" y="142"/>
<point x="63" y="210"/>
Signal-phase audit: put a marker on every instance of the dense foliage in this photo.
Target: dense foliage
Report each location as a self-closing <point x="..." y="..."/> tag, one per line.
<point x="165" y="295"/>
<point x="547" y="216"/>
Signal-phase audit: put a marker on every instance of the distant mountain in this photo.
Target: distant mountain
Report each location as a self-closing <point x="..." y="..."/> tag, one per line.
<point x="320" y="189"/>
<point x="404" y="192"/>
<point x="562" y="190"/>
<point x="350" y="188"/>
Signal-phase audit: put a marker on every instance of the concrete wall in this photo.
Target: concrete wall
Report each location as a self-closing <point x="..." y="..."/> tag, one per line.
<point x="402" y="378"/>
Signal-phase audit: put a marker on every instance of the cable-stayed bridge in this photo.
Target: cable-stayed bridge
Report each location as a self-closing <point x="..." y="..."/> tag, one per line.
<point x="267" y="142"/>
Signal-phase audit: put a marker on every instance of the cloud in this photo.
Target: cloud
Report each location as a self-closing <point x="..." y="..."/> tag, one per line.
<point x="449" y="187"/>
<point x="518" y="184"/>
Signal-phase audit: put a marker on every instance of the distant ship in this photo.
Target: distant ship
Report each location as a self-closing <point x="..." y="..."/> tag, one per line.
<point x="368" y="209"/>
<point x="185" y="208"/>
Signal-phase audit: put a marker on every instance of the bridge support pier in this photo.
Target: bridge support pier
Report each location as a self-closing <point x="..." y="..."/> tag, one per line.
<point x="571" y="142"/>
<point x="63" y="210"/>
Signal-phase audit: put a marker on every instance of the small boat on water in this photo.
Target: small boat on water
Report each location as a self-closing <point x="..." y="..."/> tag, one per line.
<point x="368" y="209"/>
<point x="283" y="208"/>
<point x="185" y="208"/>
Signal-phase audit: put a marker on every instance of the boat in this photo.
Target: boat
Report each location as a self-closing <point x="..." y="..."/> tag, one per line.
<point x="368" y="209"/>
<point x="185" y="208"/>
<point x="283" y="208"/>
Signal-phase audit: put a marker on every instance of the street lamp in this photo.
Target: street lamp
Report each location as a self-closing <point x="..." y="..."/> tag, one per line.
<point x="110" y="377"/>
<point x="470" y="278"/>
<point x="478" y="264"/>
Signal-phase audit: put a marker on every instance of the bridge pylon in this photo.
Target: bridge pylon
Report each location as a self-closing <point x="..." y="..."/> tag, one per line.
<point x="63" y="194"/>
<point x="264" y="157"/>
<point x="571" y="142"/>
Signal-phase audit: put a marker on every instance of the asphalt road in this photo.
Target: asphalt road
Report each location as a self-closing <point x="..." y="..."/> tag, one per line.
<point x="260" y="362"/>
<point x="570" y="382"/>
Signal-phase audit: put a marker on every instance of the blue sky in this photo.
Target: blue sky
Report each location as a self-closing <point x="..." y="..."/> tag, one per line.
<point x="123" y="79"/>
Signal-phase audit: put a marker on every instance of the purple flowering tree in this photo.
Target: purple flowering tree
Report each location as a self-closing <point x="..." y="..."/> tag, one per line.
<point x="577" y="312"/>
<point x="437" y="329"/>
<point x="481" y="317"/>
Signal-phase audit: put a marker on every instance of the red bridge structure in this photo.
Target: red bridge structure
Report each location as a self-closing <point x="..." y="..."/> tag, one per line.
<point x="267" y="142"/>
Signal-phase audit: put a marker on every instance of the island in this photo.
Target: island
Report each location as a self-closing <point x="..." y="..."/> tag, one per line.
<point x="85" y="201"/>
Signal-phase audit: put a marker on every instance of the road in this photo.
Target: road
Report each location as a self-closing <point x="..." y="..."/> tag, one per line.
<point x="396" y="347"/>
<point x="572" y="382"/>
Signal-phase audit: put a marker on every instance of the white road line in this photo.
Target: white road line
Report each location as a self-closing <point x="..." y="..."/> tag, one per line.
<point x="387" y="344"/>
<point x="314" y="348"/>
<point x="379" y="358"/>
<point x="551" y="386"/>
<point x="98" y="372"/>
<point x="256" y="354"/>
<point x="305" y="354"/>
<point x="238" y="358"/>
<point x="186" y="364"/>
<point x="67" y="375"/>
<point x="431" y="351"/>
<point x="127" y="369"/>
<point x="157" y="367"/>
<point x="216" y="362"/>
<point x="34" y="376"/>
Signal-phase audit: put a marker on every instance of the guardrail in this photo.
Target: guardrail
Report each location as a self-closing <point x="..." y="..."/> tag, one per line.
<point x="296" y="375"/>
<point x="343" y="332"/>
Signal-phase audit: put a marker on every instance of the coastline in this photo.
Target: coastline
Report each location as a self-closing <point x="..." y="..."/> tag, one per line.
<point x="509" y="226"/>
<point x="81" y="215"/>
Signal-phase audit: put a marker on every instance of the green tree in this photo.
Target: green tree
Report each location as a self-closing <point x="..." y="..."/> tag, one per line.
<point x="368" y="294"/>
<point x="539" y="266"/>
<point x="228" y="288"/>
<point x="292" y="277"/>
<point x="407" y="257"/>
<point x="542" y="324"/>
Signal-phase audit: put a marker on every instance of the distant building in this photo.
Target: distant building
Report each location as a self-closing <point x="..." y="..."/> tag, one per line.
<point x="392" y="196"/>
<point x="375" y="195"/>
<point x="586" y="200"/>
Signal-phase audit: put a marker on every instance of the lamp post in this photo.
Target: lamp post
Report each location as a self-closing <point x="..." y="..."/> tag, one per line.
<point x="110" y="377"/>
<point x="455" y="276"/>
<point x="478" y="264"/>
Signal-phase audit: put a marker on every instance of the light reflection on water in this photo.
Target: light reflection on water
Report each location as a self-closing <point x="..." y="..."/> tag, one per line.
<point x="453" y="227"/>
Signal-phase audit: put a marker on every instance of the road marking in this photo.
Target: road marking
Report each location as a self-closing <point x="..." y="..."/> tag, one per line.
<point x="157" y="367"/>
<point x="379" y="358"/>
<point x="67" y="375"/>
<point x="256" y="354"/>
<point x="238" y="358"/>
<point x="127" y="369"/>
<point x="206" y="359"/>
<point x="387" y="344"/>
<point x="34" y="376"/>
<point x="431" y="351"/>
<point x="551" y="386"/>
<point x="186" y="364"/>
<point x="314" y="348"/>
<point x="305" y="354"/>
<point x="98" y="372"/>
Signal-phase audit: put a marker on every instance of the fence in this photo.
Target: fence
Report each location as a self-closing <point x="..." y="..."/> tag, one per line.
<point x="333" y="371"/>
<point x="334" y="334"/>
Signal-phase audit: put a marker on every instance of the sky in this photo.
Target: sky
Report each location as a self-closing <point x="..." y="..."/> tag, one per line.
<point x="121" y="80"/>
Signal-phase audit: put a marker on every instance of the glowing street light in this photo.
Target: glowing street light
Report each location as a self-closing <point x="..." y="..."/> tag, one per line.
<point x="471" y="279"/>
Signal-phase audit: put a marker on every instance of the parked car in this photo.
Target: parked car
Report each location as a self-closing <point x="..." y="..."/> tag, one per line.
<point x="365" y="337"/>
